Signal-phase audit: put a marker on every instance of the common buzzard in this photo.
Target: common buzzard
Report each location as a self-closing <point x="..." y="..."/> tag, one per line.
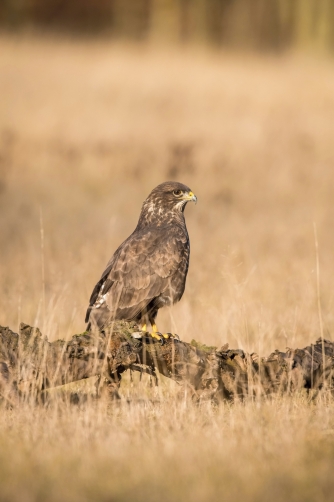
<point x="148" y="271"/>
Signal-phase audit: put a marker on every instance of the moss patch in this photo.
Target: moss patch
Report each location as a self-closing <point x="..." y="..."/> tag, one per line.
<point x="202" y="346"/>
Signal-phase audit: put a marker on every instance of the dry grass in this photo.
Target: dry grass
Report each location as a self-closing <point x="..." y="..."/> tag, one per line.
<point x="279" y="450"/>
<point x="86" y="130"/>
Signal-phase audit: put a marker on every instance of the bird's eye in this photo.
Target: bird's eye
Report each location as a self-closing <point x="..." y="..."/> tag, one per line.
<point x="177" y="193"/>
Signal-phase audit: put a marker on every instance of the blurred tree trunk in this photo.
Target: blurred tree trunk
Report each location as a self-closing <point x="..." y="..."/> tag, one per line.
<point x="287" y="13"/>
<point x="193" y="21"/>
<point x="324" y="29"/>
<point x="237" y="23"/>
<point x="218" y="16"/>
<point x="13" y="13"/>
<point x="314" y="24"/>
<point x="199" y="21"/>
<point x="266" y="26"/>
<point x="131" y="19"/>
<point x="165" y="21"/>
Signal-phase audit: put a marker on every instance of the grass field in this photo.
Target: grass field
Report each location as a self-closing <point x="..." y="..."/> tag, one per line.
<point x="87" y="129"/>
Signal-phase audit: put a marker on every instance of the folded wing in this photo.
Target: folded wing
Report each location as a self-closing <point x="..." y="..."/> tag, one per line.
<point x="148" y="265"/>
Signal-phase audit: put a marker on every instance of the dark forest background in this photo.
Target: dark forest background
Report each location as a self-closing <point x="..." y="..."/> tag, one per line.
<point x="274" y="25"/>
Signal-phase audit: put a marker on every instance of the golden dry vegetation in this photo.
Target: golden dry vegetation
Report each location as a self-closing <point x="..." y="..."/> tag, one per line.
<point x="87" y="129"/>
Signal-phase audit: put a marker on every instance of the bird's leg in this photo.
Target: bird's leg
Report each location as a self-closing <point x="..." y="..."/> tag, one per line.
<point x="143" y="322"/>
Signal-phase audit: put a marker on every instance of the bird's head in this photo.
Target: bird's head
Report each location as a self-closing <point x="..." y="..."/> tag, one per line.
<point x="165" y="200"/>
<point x="172" y="194"/>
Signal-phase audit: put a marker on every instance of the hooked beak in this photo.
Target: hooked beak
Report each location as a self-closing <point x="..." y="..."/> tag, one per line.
<point x="190" y="196"/>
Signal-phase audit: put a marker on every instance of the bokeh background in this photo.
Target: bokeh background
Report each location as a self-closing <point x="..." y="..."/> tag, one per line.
<point x="102" y="100"/>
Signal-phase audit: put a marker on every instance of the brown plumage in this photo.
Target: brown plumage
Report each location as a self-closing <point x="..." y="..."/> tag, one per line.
<point x="149" y="270"/>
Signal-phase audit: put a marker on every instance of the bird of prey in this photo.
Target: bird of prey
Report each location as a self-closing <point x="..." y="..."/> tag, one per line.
<point x="149" y="269"/>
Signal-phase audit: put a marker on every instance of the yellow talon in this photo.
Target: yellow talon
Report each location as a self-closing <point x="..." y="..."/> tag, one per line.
<point x="155" y="332"/>
<point x="156" y="336"/>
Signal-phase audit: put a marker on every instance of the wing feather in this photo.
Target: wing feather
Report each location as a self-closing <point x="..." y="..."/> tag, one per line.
<point x="141" y="269"/>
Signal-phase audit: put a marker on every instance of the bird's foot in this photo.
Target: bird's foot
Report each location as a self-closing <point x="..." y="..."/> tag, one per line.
<point x="163" y="337"/>
<point x="170" y="335"/>
<point x="156" y="335"/>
